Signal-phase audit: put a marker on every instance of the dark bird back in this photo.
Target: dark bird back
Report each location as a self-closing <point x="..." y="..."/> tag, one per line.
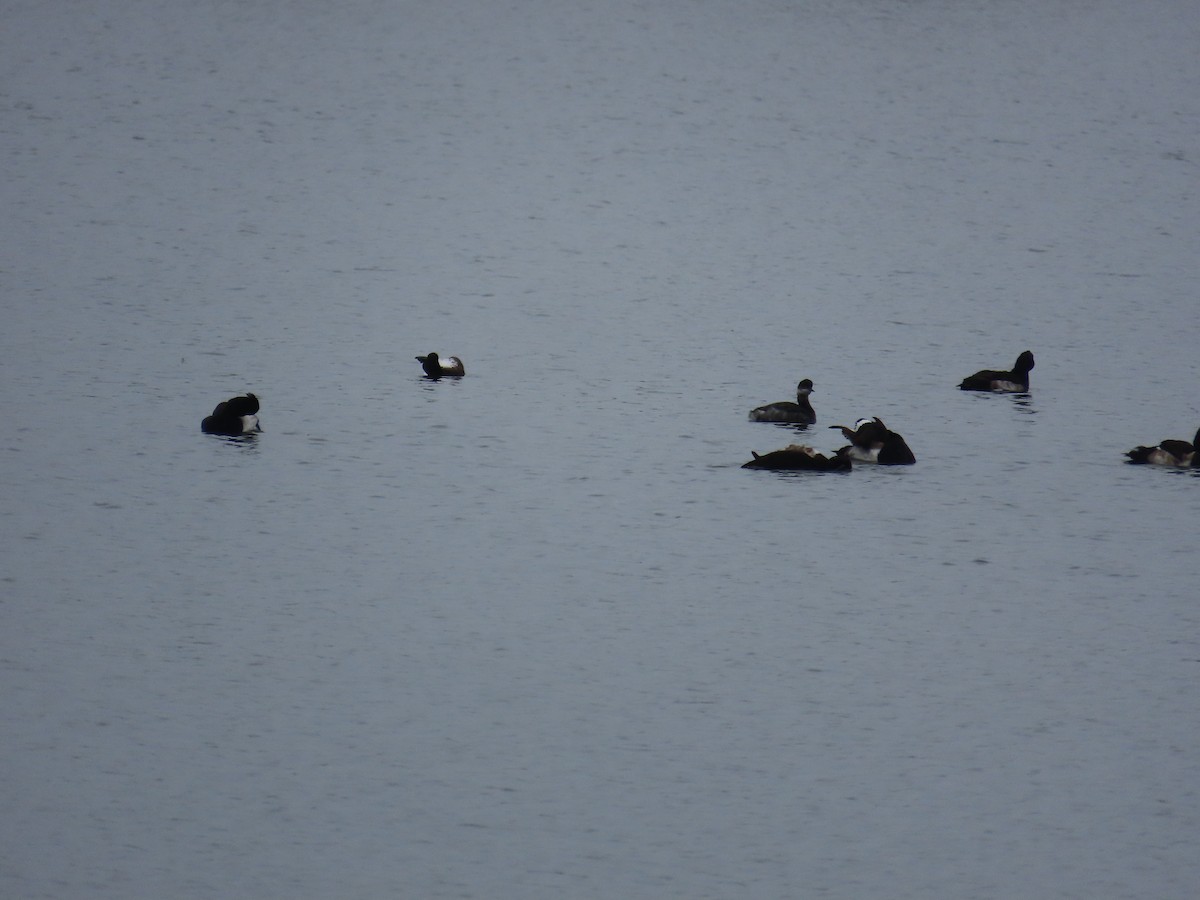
<point x="799" y="458"/>
<point x="233" y="417"/>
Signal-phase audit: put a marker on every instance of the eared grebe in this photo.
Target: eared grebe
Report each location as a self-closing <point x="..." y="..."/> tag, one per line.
<point x="1014" y="382"/>
<point x="798" y="413"/>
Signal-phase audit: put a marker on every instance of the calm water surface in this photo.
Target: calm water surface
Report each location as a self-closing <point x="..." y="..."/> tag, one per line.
<point x="534" y="633"/>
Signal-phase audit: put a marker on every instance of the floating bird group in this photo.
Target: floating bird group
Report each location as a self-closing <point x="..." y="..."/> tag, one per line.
<point x="870" y="440"/>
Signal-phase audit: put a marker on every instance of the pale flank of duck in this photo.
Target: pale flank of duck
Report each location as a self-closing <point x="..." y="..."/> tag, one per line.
<point x="1175" y="453"/>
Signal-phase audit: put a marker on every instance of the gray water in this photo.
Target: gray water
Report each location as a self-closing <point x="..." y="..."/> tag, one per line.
<point x="534" y="633"/>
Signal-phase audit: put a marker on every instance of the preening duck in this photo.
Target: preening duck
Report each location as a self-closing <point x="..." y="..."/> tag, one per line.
<point x="872" y="442"/>
<point x="1014" y="382"/>
<point x="798" y="413"/>
<point x="235" y="416"/>
<point x="798" y="457"/>
<point x="1179" y="454"/>
<point x="436" y="368"/>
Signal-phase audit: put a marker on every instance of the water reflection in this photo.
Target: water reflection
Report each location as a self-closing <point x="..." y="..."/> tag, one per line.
<point x="1024" y="403"/>
<point x="244" y="441"/>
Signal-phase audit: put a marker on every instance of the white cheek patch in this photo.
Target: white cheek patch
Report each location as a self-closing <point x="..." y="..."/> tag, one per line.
<point x="250" y="424"/>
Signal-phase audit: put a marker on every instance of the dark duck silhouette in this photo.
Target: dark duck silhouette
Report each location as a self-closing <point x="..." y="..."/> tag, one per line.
<point x="798" y="413"/>
<point x="798" y="457"/>
<point x="1014" y="382"/>
<point x="436" y="368"/>
<point x="234" y="417"/>
<point x="873" y="442"/>
<point x="1179" y="454"/>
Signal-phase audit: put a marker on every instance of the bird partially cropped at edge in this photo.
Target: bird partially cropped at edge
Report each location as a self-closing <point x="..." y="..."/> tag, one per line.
<point x="1176" y="453"/>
